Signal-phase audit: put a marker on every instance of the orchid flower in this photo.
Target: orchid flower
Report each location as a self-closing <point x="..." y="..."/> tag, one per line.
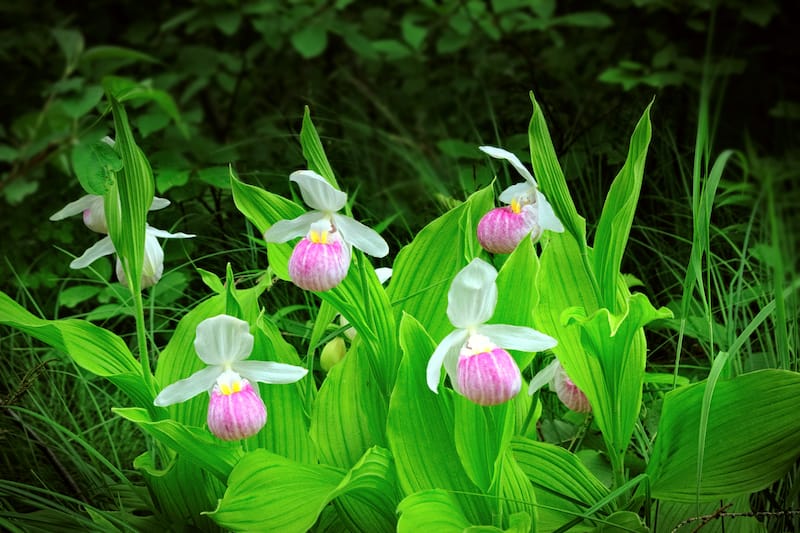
<point x="94" y="213"/>
<point x="153" y="266"/>
<point x="474" y="355"/>
<point x="557" y="379"/>
<point x="320" y="261"/>
<point x="235" y="410"/>
<point x="503" y="228"/>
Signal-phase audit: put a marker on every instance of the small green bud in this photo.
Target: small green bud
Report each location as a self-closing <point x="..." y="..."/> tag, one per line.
<point x="332" y="353"/>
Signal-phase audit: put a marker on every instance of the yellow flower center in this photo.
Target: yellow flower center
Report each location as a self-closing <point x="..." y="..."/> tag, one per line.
<point x="229" y="388"/>
<point x="516" y="206"/>
<point x="318" y="237"/>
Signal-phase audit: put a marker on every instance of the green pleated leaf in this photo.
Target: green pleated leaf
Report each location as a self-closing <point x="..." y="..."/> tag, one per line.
<point x="481" y="436"/>
<point x="517" y="294"/>
<point x="349" y="414"/>
<point x="431" y="510"/>
<point x="91" y="347"/>
<point x="267" y="492"/>
<point x="197" y="445"/>
<point x="263" y="209"/>
<point x="550" y="177"/>
<point x="752" y="437"/>
<point x="313" y="150"/>
<point x="612" y="373"/>
<point x="517" y="495"/>
<point x="128" y="199"/>
<point x="615" y="222"/>
<point x="670" y="514"/>
<point x="564" y="487"/>
<point x="425" y="268"/>
<point x="179" y="501"/>
<point x="420" y="428"/>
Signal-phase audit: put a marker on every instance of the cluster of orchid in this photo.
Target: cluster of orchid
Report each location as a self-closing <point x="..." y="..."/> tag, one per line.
<point x="474" y="355"/>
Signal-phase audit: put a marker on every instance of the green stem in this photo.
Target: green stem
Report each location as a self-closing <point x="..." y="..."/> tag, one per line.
<point x="141" y="340"/>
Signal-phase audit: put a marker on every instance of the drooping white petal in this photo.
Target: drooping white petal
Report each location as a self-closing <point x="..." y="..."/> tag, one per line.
<point x="518" y="190"/>
<point x="547" y="217"/>
<point x="102" y="247"/>
<point x="499" y="153"/>
<point x="182" y="390"/>
<point x="269" y="371"/>
<point x="362" y="237"/>
<point x="286" y="230"/>
<point x="473" y="295"/>
<point x="446" y="353"/>
<point x="383" y="273"/>
<point x="159" y="203"/>
<point x="317" y="192"/>
<point x="73" y="208"/>
<point x="517" y="337"/>
<point x="223" y="339"/>
<point x="153" y="265"/>
<point x="155" y="232"/>
<point x="543" y="377"/>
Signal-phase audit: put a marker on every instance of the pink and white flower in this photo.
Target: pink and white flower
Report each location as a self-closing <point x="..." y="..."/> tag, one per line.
<point x="235" y="410"/>
<point x="528" y="211"/>
<point x="94" y="213"/>
<point x="557" y="379"/>
<point x="321" y="259"/>
<point x="153" y="265"/>
<point x="474" y="355"/>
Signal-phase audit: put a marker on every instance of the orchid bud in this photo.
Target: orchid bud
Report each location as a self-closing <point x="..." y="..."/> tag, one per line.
<point x="332" y="354"/>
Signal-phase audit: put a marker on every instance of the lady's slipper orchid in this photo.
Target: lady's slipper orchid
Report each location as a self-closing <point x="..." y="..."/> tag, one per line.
<point x="320" y="261"/>
<point x="153" y="266"/>
<point x="528" y="211"/>
<point x="557" y="379"/>
<point x="474" y="355"/>
<point x="94" y="214"/>
<point x="235" y="410"/>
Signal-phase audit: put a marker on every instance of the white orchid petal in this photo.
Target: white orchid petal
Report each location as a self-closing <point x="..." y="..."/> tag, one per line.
<point x="383" y="273"/>
<point x="317" y="192"/>
<point x="269" y="371"/>
<point x="446" y="353"/>
<point x="187" y="388"/>
<point x="155" y="232"/>
<point x="499" y="153"/>
<point x="286" y="230"/>
<point x="99" y="249"/>
<point x="517" y="190"/>
<point x="543" y="377"/>
<point x="547" y="217"/>
<point x="159" y="203"/>
<point x="517" y="337"/>
<point x="76" y="207"/>
<point x="362" y="237"/>
<point x="223" y="339"/>
<point x="473" y="295"/>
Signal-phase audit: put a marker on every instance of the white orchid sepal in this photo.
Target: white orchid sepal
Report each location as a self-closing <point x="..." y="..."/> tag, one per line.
<point x="93" y="209"/>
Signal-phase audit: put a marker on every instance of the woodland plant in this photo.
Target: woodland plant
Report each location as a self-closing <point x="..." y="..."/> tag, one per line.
<point x="384" y="442"/>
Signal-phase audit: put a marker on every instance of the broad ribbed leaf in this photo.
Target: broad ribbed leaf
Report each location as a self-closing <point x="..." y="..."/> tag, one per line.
<point x="517" y="294"/>
<point x="431" y="510"/>
<point x="671" y="514"/>
<point x="550" y="177"/>
<point x="482" y="435"/>
<point x="91" y="347"/>
<point x="517" y="494"/>
<point x="313" y="150"/>
<point x="420" y="428"/>
<point x="180" y="501"/>
<point x="197" y="445"/>
<point x="564" y="487"/>
<point x="752" y="437"/>
<point x="615" y="222"/>
<point x="267" y="492"/>
<point x="349" y="414"/>
<point x="425" y="268"/>
<point x="616" y="353"/>
<point x="128" y="199"/>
